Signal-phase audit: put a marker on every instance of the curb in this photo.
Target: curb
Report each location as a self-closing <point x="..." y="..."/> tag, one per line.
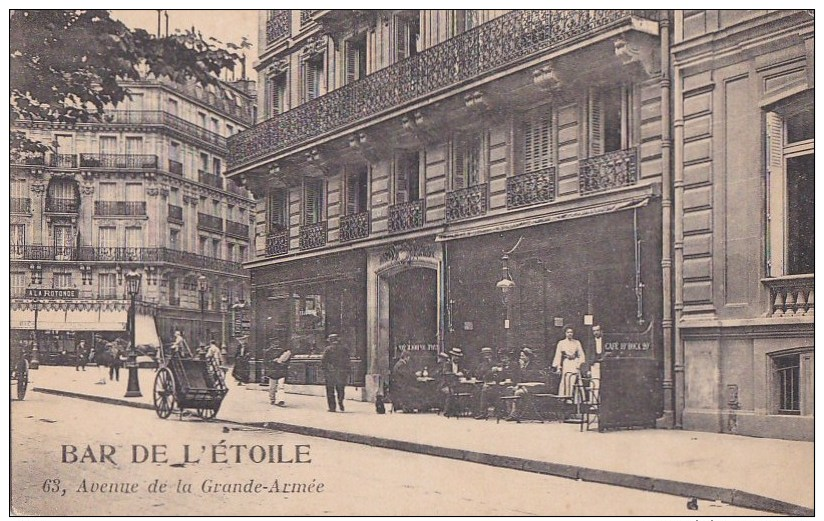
<point x="660" y="485"/>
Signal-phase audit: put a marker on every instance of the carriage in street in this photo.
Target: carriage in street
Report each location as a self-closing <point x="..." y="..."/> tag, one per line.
<point x="188" y="383"/>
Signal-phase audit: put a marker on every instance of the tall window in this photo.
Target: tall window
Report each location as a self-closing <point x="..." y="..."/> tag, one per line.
<point x="62" y="280"/>
<point x="18" y="234"/>
<point x="64" y="240"/>
<point x="312" y="201"/>
<point x="313" y="77"/>
<point x="538" y="140"/>
<point x="792" y="383"/>
<point x="134" y="237"/>
<point x="203" y="242"/>
<point x="107" y="191"/>
<point x="18" y="283"/>
<point x="204" y="162"/>
<point x="407" y="176"/>
<point x="107" y="285"/>
<point x="277" y="94"/>
<point x="65" y="143"/>
<point x="407" y="34"/>
<point x="791" y="182"/>
<point x="216" y="166"/>
<point x="464" y="20"/>
<point x="277" y="217"/>
<point x="357" y="186"/>
<point x="466" y="160"/>
<point x="134" y="145"/>
<point x="108" y="145"/>
<point x="355" y="50"/>
<point x="134" y="192"/>
<point x="201" y="119"/>
<point x="174" y="238"/>
<point x="609" y="124"/>
<point x="171" y="106"/>
<point x="106" y="241"/>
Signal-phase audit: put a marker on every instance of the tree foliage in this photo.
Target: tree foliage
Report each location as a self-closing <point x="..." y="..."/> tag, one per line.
<point x="67" y="65"/>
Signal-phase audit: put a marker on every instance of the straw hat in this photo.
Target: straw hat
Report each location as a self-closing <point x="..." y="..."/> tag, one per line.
<point x="455" y="351"/>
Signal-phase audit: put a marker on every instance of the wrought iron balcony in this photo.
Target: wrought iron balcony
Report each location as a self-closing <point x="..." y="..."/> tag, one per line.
<point x="120" y="208"/>
<point x="210" y="179"/>
<point x="466" y="203"/>
<point x="175" y="167"/>
<point x="306" y="15"/>
<point x="278" y="26"/>
<point x="791" y="296"/>
<point x="62" y="205"/>
<point x="175" y="214"/>
<point x="209" y="223"/>
<point x="608" y="171"/>
<point x="354" y="226"/>
<point x="530" y="188"/>
<point x="63" y="160"/>
<point x="127" y="161"/>
<point x="313" y="235"/>
<point x="277" y="243"/>
<point x="20" y="205"/>
<point x="236" y="229"/>
<point x="159" y="117"/>
<point x="174" y="301"/>
<point x="186" y="258"/>
<point x="406" y="216"/>
<point x="29" y="158"/>
<point x="471" y="55"/>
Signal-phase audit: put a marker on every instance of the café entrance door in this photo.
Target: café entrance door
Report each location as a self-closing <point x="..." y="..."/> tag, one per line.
<point x="413" y="316"/>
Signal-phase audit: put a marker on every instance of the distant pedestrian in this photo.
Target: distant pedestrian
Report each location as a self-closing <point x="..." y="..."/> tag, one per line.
<point x="335" y="365"/>
<point x="81" y="355"/>
<point x="277" y="378"/>
<point x="102" y="358"/>
<point x="116" y="353"/>
<point x="213" y="352"/>
<point x="180" y="348"/>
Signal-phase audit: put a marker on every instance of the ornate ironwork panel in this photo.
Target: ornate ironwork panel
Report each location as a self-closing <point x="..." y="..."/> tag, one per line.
<point x="209" y="222"/>
<point x="467" y="202"/>
<point x="176" y="213"/>
<point x="355" y="226"/>
<point x="64" y="160"/>
<point x="608" y="171"/>
<point x="472" y="54"/>
<point x="406" y="216"/>
<point x="210" y="179"/>
<point x="237" y="229"/>
<point x="313" y="235"/>
<point x="277" y="243"/>
<point x="531" y="188"/>
<point x="126" y="208"/>
<point x="133" y="161"/>
<point x="306" y="15"/>
<point x="278" y="26"/>
<point x="62" y="205"/>
<point x="175" y="167"/>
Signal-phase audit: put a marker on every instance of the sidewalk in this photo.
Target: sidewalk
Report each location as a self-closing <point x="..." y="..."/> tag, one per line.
<point x="762" y="474"/>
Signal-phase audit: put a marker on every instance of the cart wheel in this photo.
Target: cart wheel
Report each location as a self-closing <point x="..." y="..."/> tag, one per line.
<point x="22" y="378"/>
<point x="207" y="414"/>
<point x="164" y="393"/>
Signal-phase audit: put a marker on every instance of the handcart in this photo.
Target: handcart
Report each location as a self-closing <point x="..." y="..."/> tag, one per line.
<point x="188" y="383"/>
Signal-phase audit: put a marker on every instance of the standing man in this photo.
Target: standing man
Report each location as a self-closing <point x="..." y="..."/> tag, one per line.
<point x="598" y="346"/>
<point x="277" y="378"/>
<point x="179" y="347"/>
<point x="81" y="356"/>
<point x="569" y="355"/>
<point x="335" y="365"/>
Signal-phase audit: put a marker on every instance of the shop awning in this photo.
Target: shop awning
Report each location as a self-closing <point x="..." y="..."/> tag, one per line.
<point x="65" y="320"/>
<point x="543" y="219"/>
<point x="146" y="331"/>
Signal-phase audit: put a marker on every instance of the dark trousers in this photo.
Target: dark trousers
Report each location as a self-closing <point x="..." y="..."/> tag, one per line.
<point x="330" y="395"/>
<point x="114" y="372"/>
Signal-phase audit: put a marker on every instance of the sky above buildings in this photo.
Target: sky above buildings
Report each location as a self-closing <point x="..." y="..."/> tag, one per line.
<point x="225" y="25"/>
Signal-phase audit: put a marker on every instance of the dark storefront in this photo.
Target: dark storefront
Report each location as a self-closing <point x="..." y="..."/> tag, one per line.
<point x="299" y="303"/>
<point x="606" y="266"/>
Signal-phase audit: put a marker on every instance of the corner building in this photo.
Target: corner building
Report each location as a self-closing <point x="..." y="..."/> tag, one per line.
<point x="141" y="190"/>
<point x="399" y="153"/>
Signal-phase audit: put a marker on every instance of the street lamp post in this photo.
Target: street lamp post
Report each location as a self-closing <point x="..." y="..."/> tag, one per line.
<point x="507" y="285"/>
<point x="201" y="288"/>
<point x="224" y="306"/>
<point x="133" y="288"/>
<point x="34" y="363"/>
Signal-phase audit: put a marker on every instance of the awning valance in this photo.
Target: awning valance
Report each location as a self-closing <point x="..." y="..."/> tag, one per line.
<point x="66" y="320"/>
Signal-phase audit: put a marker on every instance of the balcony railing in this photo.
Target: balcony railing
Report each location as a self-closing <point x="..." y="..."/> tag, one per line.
<point x="20" y="205"/>
<point x="128" y="161"/>
<point x="530" y="188"/>
<point x="406" y="216"/>
<point x="120" y="208"/>
<point x="355" y="226"/>
<point x="122" y="254"/>
<point x="175" y="167"/>
<point x="313" y="235"/>
<point x="63" y="160"/>
<point x="480" y="51"/>
<point x="209" y="223"/>
<point x="62" y="205"/>
<point x="277" y="243"/>
<point x="236" y="229"/>
<point x="278" y="26"/>
<point x="32" y="159"/>
<point x="174" y="301"/>
<point x="175" y="214"/>
<point x="791" y="296"/>
<point x="210" y="179"/>
<point x="159" y="117"/>
<point x="466" y="203"/>
<point x="608" y="171"/>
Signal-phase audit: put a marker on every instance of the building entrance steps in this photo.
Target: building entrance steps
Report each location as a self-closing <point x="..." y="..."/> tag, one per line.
<point x="744" y="471"/>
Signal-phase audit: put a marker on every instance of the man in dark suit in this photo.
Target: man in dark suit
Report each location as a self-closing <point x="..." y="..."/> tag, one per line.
<point x="335" y="365"/>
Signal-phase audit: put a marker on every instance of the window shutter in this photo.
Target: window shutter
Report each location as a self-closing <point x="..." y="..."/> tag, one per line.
<point x="312" y="202"/>
<point x="775" y="241"/>
<point x="458" y="164"/>
<point x="351" y="62"/>
<point x="401" y="178"/>
<point x="538" y="142"/>
<point x="401" y="38"/>
<point x="352" y="189"/>
<point x="596" y="137"/>
<point x="473" y="160"/>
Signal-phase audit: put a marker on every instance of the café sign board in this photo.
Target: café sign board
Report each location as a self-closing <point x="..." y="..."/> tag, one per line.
<point x="51" y="293"/>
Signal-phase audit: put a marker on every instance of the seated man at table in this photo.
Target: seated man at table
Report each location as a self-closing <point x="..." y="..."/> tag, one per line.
<point x="403" y="389"/>
<point x="529" y="378"/>
<point x="487" y="393"/>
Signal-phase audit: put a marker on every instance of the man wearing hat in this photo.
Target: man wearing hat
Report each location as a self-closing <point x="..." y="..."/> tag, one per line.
<point x="335" y="365"/>
<point x="528" y="378"/>
<point x="486" y="371"/>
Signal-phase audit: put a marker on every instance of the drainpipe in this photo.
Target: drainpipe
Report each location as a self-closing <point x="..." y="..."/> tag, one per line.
<point x="678" y="247"/>
<point x="666" y="214"/>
